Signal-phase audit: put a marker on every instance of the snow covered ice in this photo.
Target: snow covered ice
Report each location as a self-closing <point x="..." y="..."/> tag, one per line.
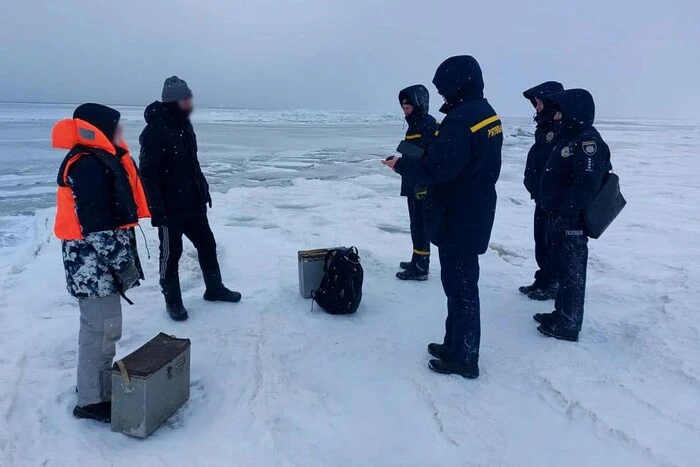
<point x="275" y="383"/>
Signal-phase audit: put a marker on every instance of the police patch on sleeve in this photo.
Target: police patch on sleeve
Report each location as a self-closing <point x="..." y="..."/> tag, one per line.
<point x="550" y="136"/>
<point x="589" y="147"/>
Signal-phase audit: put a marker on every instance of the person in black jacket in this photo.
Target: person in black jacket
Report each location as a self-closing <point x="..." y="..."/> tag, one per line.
<point x="178" y="195"/>
<point x="545" y="285"/>
<point x="422" y="131"/>
<point x="574" y="173"/>
<point x="461" y="168"/>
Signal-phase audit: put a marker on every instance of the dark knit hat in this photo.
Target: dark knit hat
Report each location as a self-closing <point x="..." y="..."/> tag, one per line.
<point x="104" y="118"/>
<point x="175" y="89"/>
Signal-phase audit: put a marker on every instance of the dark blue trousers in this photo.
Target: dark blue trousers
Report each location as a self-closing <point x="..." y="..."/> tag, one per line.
<point x="460" y="280"/>
<point x="545" y="275"/>
<point x="570" y="255"/>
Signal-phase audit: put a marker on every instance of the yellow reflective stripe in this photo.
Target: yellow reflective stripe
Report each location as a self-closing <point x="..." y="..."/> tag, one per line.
<point x="483" y="123"/>
<point x="416" y="136"/>
<point x="421" y="253"/>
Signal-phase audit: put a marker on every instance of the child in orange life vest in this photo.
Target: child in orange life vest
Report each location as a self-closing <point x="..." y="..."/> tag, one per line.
<point x="100" y="200"/>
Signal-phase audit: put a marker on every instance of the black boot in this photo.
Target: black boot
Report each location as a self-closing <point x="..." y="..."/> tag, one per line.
<point x="439" y="351"/>
<point x="544" y="318"/>
<point x="417" y="270"/>
<point x="544" y="293"/>
<point x="454" y="368"/>
<point x="405" y="264"/>
<point x="540" y="288"/>
<point x="173" y="298"/>
<point x="216" y="291"/>
<point x="102" y="412"/>
<point x="552" y="329"/>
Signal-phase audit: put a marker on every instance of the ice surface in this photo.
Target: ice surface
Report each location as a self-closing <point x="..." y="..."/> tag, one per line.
<point x="274" y="383"/>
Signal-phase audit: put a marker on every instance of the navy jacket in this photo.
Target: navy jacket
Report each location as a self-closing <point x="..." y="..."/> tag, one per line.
<point x="463" y="164"/>
<point x="546" y="136"/>
<point x="575" y="171"/>
<point x="422" y="127"/>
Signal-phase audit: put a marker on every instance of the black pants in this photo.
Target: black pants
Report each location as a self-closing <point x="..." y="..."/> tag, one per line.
<point x="419" y="234"/>
<point x="197" y="230"/>
<point x="545" y="275"/>
<point x="570" y="255"/>
<point x="460" y="280"/>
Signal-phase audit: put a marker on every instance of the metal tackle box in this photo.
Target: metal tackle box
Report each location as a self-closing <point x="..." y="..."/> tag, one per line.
<point x="150" y="385"/>
<point x="311" y="270"/>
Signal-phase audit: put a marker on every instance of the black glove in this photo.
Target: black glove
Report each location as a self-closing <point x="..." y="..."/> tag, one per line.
<point x="128" y="276"/>
<point x="159" y="220"/>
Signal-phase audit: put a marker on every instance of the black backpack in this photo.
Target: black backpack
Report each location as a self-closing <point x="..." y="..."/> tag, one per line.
<point x="340" y="290"/>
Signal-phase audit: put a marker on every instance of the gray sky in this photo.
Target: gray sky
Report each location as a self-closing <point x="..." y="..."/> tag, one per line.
<point x="637" y="58"/>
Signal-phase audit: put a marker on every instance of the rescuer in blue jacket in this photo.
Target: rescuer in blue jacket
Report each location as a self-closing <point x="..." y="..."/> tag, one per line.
<point x="573" y="175"/>
<point x="461" y="169"/>
<point x="422" y="131"/>
<point x="546" y="137"/>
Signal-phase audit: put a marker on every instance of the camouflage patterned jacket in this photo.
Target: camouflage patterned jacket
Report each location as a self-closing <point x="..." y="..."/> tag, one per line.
<point x="95" y="264"/>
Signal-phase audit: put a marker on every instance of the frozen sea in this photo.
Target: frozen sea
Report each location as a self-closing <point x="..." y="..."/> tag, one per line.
<point x="275" y="383"/>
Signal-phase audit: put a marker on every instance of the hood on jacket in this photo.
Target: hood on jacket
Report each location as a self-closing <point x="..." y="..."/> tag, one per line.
<point x="577" y="109"/>
<point x="542" y="90"/>
<point x="418" y="97"/>
<point x="161" y="111"/>
<point x="459" y="79"/>
<point x="105" y="119"/>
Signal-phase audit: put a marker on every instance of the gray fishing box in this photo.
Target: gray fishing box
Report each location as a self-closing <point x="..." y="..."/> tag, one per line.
<point x="311" y="270"/>
<point x="150" y="384"/>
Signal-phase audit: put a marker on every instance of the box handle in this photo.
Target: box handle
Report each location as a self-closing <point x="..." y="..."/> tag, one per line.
<point x="179" y="364"/>
<point x="125" y="376"/>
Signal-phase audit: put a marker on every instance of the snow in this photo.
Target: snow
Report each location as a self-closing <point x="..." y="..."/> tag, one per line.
<point x="275" y="383"/>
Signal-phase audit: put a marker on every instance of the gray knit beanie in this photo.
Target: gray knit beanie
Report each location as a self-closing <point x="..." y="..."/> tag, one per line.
<point x="175" y="89"/>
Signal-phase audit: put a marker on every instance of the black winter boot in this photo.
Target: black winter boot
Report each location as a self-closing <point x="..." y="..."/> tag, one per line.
<point x="405" y="264"/>
<point x="552" y="329"/>
<point x="173" y="298"/>
<point x="547" y="292"/>
<point x="216" y="291"/>
<point x="417" y="271"/>
<point x="544" y="318"/>
<point x="439" y="351"/>
<point x="540" y="290"/>
<point x="102" y="412"/>
<point x="454" y="368"/>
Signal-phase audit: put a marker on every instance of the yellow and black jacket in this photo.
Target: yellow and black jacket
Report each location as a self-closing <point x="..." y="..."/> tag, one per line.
<point x="422" y="129"/>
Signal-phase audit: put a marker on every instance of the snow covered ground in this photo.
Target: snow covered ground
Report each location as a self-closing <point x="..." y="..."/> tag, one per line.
<point x="275" y="383"/>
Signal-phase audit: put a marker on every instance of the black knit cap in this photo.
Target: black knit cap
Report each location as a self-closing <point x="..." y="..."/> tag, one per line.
<point x="106" y="119"/>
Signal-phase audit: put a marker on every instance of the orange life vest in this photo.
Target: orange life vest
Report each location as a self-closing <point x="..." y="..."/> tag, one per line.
<point x="67" y="134"/>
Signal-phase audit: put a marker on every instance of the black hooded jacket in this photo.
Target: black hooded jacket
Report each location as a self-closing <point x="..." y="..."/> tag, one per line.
<point x="546" y="135"/>
<point x="175" y="185"/>
<point x="575" y="171"/>
<point x="422" y="127"/>
<point x="463" y="164"/>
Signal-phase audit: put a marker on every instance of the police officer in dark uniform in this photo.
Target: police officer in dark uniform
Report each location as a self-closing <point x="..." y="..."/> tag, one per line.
<point x="574" y="173"/>
<point x="422" y="131"/>
<point x="545" y="285"/>
<point x="461" y="169"/>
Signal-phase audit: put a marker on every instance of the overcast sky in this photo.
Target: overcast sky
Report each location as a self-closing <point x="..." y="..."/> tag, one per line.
<point x="637" y="58"/>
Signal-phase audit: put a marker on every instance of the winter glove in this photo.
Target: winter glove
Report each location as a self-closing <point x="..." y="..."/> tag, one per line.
<point x="159" y="220"/>
<point x="128" y="276"/>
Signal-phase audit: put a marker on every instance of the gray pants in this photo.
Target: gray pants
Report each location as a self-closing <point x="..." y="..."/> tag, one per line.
<point x="100" y="330"/>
